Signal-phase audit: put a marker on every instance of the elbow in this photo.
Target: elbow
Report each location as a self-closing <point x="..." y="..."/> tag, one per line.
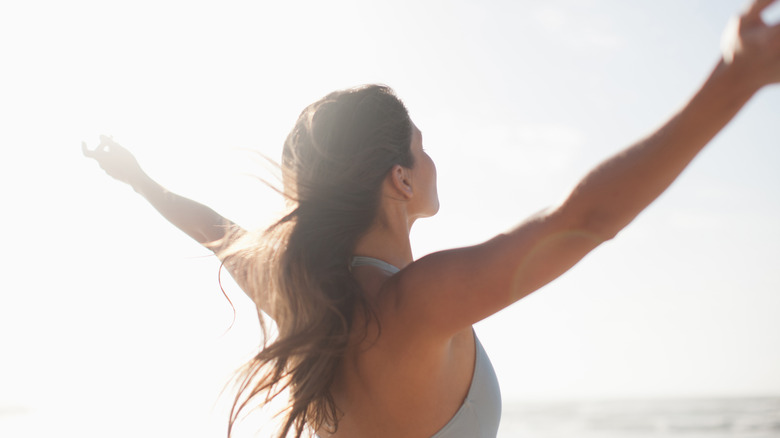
<point x="599" y="226"/>
<point x="601" y="230"/>
<point x="603" y="225"/>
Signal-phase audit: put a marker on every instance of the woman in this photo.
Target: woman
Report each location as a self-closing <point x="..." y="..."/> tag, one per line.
<point x="374" y="344"/>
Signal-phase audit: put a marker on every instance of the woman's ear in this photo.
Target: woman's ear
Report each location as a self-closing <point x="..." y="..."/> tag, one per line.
<point x="400" y="181"/>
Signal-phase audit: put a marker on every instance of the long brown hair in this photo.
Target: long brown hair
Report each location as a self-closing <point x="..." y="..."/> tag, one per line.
<point x="333" y="164"/>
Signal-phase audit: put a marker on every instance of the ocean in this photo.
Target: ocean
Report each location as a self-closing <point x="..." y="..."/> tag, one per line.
<point x="674" y="418"/>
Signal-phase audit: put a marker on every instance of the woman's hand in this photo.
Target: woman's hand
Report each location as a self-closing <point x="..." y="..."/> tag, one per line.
<point x="117" y="161"/>
<point x="752" y="47"/>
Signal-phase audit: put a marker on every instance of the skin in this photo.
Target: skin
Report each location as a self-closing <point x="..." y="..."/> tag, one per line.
<point x="426" y="311"/>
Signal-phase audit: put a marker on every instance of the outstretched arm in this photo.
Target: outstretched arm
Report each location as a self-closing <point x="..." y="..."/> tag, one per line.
<point x="616" y="191"/>
<point x="197" y="220"/>
<point x="453" y="289"/>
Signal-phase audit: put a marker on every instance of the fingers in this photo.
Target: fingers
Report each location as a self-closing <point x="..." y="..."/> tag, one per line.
<point x="756" y="7"/>
<point x="106" y="141"/>
<point x="105" y="144"/>
<point x="86" y="151"/>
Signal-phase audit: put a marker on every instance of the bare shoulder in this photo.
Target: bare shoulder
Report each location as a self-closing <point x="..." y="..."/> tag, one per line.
<point x="450" y="290"/>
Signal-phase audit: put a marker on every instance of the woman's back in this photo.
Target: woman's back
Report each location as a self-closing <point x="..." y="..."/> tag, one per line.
<point x="402" y="383"/>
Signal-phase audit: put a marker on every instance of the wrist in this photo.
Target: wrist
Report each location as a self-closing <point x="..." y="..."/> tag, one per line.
<point x="736" y="79"/>
<point x="142" y="183"/>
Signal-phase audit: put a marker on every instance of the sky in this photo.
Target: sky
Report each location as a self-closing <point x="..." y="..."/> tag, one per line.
<point x="109" y="315"/>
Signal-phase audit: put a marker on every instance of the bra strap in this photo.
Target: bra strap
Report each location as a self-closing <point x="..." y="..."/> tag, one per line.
<point x="370" y="261"/>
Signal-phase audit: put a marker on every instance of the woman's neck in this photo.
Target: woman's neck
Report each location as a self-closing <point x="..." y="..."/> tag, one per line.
<point x="388" y="240"/>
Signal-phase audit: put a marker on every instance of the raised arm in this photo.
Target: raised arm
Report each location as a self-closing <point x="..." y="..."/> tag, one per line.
<point x="453" y="289"/>
<point x="197" y="220"/>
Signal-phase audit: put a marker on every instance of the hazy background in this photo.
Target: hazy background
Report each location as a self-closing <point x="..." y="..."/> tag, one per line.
<point x="111" y="319"/>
